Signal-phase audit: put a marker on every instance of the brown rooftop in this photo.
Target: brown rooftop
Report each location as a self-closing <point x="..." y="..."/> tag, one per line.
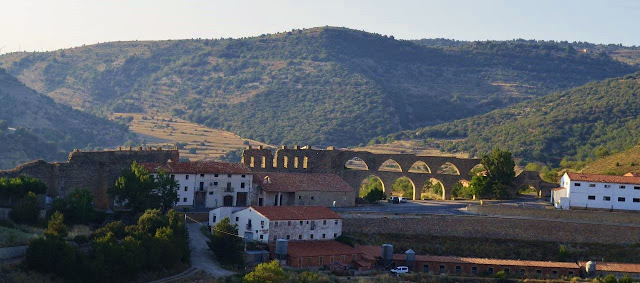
<point x="295" y="212"/>
<point x="615" y="267"/>
<point x="293" y="182"/>
<point x="376" y="251"/>
<point x="598" y="178"/>
<point x="319" y="248"/>
<point x="198" y="167"/>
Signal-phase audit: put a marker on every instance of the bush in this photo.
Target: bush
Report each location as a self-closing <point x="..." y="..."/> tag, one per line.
<point x="374" y="195"/>
<point x="51" y="255"/>
<point x="56" y="227"/>
<point x="27" y="210"/>
<point x="270" y="272"/>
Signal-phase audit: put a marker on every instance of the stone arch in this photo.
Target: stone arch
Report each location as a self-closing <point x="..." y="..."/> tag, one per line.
<point x="356" y="163"/>
<point x="419" y="167"/>
<point x="366" y="181"/>
<point x="448" y="168"/>
<point x="390" y="165"/>
<point x="433" y="189"/>
<point x="401" y="188"/>
<point x="476" y="169"/>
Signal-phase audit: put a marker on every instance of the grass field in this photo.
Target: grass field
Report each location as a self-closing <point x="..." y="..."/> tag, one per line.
<point x="197" y="142"/>
<point x="617" y="163"/>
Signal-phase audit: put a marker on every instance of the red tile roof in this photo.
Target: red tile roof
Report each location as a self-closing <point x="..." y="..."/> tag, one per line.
<point x="604" y="178"/>
<point x="615" y="267"/>
<point x="319" y="248"/>
<point x="295" y="212"/>
<point x="376" y="251"/>
<point x="558" y="189"/>
<point x="293" y="182"/>
<point x="198" y="167"/>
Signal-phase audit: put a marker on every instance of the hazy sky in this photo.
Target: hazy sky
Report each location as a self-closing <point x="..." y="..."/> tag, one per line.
<point x="47" y="25"/>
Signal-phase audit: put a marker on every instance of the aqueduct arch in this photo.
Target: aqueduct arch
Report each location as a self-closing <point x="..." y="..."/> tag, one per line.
<point x="335" y="161"/>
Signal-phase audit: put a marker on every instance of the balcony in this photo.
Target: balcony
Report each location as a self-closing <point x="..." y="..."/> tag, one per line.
<point x="229" y="190"/>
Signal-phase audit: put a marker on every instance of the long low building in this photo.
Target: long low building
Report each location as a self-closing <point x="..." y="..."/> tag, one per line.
<point x="277" y="189"/>
<point x="595" y="191"/>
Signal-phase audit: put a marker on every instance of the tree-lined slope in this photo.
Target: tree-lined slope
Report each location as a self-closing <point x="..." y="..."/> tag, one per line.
<point x="33" y="126"/>
<point x="319" y="86"/>
<point x="578" y="123"/>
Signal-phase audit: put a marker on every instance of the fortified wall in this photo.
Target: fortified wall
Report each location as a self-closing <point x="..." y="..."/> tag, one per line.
<point x="93" y="170"/>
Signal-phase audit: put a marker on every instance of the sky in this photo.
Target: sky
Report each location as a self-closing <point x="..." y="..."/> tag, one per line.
<point x="42" y="25"/>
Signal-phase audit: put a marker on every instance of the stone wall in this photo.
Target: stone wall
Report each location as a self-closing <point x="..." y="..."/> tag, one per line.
<point x="96" y="171"/>
<point x="489" y="227"/>
<point x="587" y="216"/>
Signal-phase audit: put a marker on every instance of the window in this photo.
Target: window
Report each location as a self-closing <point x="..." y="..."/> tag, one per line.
<point x="242" y="185"/>
<point x="576" y="184"/>
<point x="201" y="186"/>
<point x="289" y="223"/>
<point x="299" y="197"/>
<point x="458" y="269"/>
<point x="506" y="270"/>
<point x="332" y="259"/>
<point x="554" y="272"/>
<point x="262" y="223"/>
<point x="215" y="183"/>
<point x="474" y="270"/>
<point x="490" y="270"/>
<point x="442" y="269"/>
<point x="288" y="237"/>
<point x="275" y="223"/>
<point x="607" y="186"/>
<point x="295" y="162"/>
<point x="305" y="162"/>
<point x="592" y="197"/>
<point x="522" y="271"/>
<point x="299" y="237"/>
<point x="570" y="272"/>
<point x="214" y="219"/>
<point x="311" y="236"/>
<point x="301" y="222"/>
<point x="606" y="198"/>
<point x="186" y="188"/>
<point x="425" y="268"/>
<point x="311" y="197"/>
<point x="211" y="193"/>
<point x="623" y="186"/>
<point x="636" y="187"/>
<point x="636" y="199"/>
<point x="324" y="222"/>
<point x="323" y="236"/>
<point x="253" y="159"/>
<point x="592" y="185"/>
<point x="243" y="176"/>
<point x="336" y="221"/>
<point x="173" y="177"/>
<point x="184" y="200"/>
<point x="621" y="199"/>
<point x="538" y="271"/>
<point x="201" y="175"/>
<point x="261" y="237"/>
<point x="236" y="219"/>
<point x="215" y="175"/>
<point x="335" y="235"/>
<point x="264" y="162"/>
<point x="286" y="162"/>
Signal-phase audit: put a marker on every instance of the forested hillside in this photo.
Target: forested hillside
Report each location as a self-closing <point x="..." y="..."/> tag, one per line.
<point x="33" y="126"/>
<point x="320" y="86"/>
<point x="579" y="124"/>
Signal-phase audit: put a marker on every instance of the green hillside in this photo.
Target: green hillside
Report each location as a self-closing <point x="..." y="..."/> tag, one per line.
<point x="33" y="126"/>
<point x="320" y="86"/>
<point x="580" y="124"/>
<point x="616" y="164"/>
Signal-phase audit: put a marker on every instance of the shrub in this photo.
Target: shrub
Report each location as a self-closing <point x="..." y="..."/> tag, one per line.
<point x="374" y="195"/>
<point x="56" y="227"/>
<point x="266" y="272"/>
<point x="27" y="210"/>
<point x="51" y="255"/>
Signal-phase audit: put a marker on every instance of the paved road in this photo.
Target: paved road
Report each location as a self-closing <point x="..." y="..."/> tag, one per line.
<point x="201" y="257"/>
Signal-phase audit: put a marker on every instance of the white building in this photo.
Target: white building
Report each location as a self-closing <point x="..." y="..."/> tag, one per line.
<point x="294" y="223"/>
<point x="208" y="184"/>
<point x="597" y="191"/>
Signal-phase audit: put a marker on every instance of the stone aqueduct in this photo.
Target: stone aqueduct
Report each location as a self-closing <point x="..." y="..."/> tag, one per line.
<point x="305" y="160"/>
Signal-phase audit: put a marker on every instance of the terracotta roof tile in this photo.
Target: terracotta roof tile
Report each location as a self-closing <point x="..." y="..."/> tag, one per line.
<point x="376" y="251"/>
<point x="604" y="178"/>
<point x="558" y="189"/>
<point x="292" y="182"/>
<point x="615" y="267"/>
<point x="198" y="167"/>
<point x="319" y="248"/>
<point x="296" y="212"/>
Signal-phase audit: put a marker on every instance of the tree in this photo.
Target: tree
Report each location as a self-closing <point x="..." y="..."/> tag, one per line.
<point x="480" y="186"/>
<point x="27" y="210"/>
<point x="268" y="272"/>
<point x="56" y="228"/>
<point x="226" y="244"/>
<point x="167" y="190"/>
<point x="374" y="195"/>
<point x="77" y="206"/>
<point x="499" y="166"/>
<point x="135" y="189"/>
<point x="18" y="187"/>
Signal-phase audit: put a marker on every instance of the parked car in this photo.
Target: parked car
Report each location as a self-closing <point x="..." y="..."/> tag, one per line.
<point x="400" y="270"/>
<point x="403" y="200"/>
<point x="393" y="200"/>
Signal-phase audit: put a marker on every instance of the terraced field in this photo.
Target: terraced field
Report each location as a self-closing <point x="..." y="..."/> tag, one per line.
<point x="195" y="142"/>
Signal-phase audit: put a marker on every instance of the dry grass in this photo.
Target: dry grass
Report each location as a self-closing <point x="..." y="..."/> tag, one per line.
<point x="408" y="147"/>
<point x="163" y="130"/>
<point x="617" y="163"/>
